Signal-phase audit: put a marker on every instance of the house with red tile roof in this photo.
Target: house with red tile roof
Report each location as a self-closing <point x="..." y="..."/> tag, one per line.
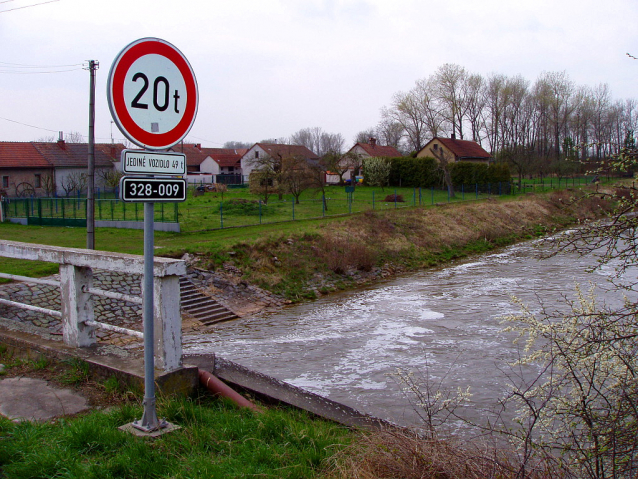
<point x="211" y="165"/>
<point x="361" y="151"/>
<point x="373" y="149"/>
<point x="456" y="150"/>
<point x="250" y="160"/>
<point x="54" y="168"/>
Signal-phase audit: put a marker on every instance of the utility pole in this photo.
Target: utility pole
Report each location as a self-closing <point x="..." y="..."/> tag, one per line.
<point x="90" y="194"/>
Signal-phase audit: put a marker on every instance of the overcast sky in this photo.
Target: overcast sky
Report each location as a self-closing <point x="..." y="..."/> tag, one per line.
<point x="267" y="68"/>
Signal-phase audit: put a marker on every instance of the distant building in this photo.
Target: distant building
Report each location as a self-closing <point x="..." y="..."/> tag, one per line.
<point x="259" y="151"/>
<point x="456" y="150"/>
<point x="53" y="168"/>
<point x="373" y="149"/>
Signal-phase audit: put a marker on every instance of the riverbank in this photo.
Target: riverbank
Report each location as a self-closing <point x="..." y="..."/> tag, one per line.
<point x="285" y="267"/>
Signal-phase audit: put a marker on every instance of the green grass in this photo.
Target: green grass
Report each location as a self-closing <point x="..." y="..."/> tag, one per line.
<point x="216" y="440"/>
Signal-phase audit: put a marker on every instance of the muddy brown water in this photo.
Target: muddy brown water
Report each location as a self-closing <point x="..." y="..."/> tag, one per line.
<point x="443" y="324"/>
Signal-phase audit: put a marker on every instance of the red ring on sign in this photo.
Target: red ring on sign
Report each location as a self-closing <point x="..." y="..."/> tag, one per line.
<point x="121" y="68"/>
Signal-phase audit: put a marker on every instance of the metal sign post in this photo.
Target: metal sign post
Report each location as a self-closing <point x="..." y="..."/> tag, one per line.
<point x="153" y="97"/>
<point x="149" y="421"/>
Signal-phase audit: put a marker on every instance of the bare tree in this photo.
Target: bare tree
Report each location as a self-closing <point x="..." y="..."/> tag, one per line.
<point x="110" y="178"/>
<point x="445" y="159"/>
<point x="450" y="81"/>
<point x="237" y="145"/>
<point x="48" y="184"/>
<point x="297" y="175"/>
<point x="74" y="182"/>
<point x="390" y="133"/>
<point x="364" y="135"/>
<point x="265" y="176"/>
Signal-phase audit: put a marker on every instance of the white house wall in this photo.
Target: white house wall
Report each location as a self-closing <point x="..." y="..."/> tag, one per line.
<point x="248" y="160"/>
<point x="62" y="175"/>
<point x="209" y="167"/>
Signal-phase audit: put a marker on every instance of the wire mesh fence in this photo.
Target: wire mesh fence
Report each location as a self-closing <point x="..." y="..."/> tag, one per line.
<point x="238" y="207"/>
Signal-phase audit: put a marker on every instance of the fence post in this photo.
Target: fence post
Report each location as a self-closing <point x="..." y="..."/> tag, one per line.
<point x="323" y="205"/>
<point x="372" y="199"/>
<point x="293" y="209"/>
<point x="221" y="214"/>
<point x="168" y="322"/>
<point x="259" y="211"/>
<point x="463" y="191"/>
<point x="432" y="194"/>
<point x="77" y="306"/>
<point x="395" y="199"/>
<point x="477" y="191"/>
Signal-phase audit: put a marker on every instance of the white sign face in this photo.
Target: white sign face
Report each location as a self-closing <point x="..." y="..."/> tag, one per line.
<point x="153" y="163"/>
<point x="156" y="100"/>
<point x="152" y="93"/>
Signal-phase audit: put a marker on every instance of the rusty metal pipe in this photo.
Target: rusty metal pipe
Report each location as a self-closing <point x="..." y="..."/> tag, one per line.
<point x="218" y="387"/>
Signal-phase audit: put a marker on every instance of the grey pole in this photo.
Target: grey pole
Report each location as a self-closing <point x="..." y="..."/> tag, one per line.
<point x="149" y="421"/>
<point x="90" y="193"/>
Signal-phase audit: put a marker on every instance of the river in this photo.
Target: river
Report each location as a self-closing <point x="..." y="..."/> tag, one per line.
<point x="443" y="324"/>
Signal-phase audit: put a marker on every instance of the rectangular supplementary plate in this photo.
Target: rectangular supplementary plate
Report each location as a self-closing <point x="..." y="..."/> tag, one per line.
<point x="144" y="162"/>
<point x="151" y="190"/>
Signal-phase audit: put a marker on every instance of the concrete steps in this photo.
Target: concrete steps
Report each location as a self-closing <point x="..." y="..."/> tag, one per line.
<point x="204" y="308"/>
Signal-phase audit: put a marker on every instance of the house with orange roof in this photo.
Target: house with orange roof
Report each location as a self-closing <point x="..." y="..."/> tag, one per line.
<point x="455" y="150"/>
<point x="372" y="149"/>
<point x="211" y="165"/>
<point x="354" y="157"/>
<point x="51" y="168"/>
<point x="251" y="159"/>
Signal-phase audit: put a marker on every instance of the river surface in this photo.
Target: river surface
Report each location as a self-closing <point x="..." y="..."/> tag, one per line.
<point x="443" y="324"/>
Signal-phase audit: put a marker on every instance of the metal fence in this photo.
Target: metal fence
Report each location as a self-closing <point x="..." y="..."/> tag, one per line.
<point x="72" y="211"/>
<point x="249" y="210"/>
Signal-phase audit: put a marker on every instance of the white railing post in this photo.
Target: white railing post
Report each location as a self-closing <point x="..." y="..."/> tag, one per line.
<point x="77" y="306"/>
<point x="168" y="322"/>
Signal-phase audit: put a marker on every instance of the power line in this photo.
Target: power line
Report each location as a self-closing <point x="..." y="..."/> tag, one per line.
<point x="30" y="126"/>
<point x="10" y="72"/>
<point x="28" y="6"/>
<point x="22" y="65"/>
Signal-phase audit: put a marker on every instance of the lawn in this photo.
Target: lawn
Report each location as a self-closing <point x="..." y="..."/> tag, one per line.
<point x="216" y="439"/>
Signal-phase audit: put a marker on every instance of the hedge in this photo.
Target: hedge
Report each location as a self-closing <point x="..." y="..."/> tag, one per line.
<point x="425" y="173"/>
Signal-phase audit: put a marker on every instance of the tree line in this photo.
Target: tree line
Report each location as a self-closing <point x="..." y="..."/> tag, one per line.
<point x="539" y="127"/>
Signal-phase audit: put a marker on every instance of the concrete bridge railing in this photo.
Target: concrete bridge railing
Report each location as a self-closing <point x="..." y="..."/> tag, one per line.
<point x="76" y="292"/>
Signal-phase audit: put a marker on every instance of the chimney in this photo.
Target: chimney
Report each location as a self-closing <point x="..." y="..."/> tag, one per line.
<point x="373" y="142"/>
<point x="61" y="143"/>
<point x="198" y="146"/>
<point x="453" y="136"/>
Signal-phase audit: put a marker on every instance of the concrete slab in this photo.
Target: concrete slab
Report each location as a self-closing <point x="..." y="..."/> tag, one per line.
<point x="27" y="399"/>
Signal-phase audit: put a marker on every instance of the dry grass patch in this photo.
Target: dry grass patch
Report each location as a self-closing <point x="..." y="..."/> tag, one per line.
<point x="392" y="454"/>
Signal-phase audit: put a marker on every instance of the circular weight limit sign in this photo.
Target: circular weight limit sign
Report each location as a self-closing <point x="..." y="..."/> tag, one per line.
<point x="152" y="93"/>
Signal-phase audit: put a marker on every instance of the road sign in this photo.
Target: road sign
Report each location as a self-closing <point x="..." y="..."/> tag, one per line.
<point x="153" y="163"/>
<point x="152" y="93"/>
<point x="151" y="190"/>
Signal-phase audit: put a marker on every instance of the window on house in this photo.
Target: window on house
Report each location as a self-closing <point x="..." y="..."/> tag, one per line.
<point x="5" y="182"/>
<point x="256" y="154"/>
<point x="435" y="146"/>
<point x="231" y="169"/>
<point x="38" y="182"/>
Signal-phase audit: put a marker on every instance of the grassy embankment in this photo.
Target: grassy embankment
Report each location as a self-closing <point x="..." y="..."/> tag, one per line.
<point x="303" y="259"/>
